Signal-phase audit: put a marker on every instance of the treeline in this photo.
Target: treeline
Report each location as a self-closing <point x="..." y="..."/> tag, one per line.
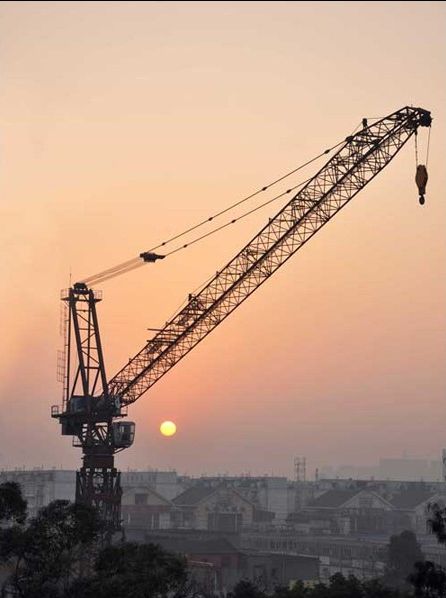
<point x="63" y="553"/>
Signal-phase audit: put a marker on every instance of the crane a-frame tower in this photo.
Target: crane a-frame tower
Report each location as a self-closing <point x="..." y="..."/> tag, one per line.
<point x="94" y="406"/>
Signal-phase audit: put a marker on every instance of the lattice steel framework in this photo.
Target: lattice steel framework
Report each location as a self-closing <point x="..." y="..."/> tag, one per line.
<point x="89" y="378"/>
<point x="88" y="413"/>
<point x="92" y="406"/>
<point x="362" y="157"/>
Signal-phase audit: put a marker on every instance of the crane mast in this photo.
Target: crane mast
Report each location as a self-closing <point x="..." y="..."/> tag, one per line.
<point x="93" y="407"/>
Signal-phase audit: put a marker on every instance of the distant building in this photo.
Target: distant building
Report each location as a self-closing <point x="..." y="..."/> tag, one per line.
<point x="408" y="470"/>
<point x="411" y="508"/>
<point x="359" y="507"/>
<point x="267" y="493"/>
<point x="349" y="555"/>
<point x="230" y="563"/>
<point x="42" y="486"/>
<point x="402" y="469"/>
<point x="142" y="507"/>
<point x="220" y="508"/>
<point x="352" y="511"/>
<point x="166" y="483"/>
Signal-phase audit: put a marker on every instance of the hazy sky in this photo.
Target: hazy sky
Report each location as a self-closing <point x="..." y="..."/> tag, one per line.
<point x="123" y="123"/>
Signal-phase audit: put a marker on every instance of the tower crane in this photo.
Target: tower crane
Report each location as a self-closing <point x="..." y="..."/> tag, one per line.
<point x="94" y="406"/>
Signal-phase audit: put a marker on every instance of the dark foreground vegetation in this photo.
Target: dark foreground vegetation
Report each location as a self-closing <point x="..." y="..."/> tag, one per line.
<point x="62" y="553"/>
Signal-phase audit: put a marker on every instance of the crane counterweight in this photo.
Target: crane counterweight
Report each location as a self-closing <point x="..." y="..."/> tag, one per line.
<point x="148" y="256"/>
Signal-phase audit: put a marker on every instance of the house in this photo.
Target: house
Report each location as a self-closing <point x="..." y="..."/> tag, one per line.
<point x="267" y="493"/>
<point x="144" y="508"/>
<point x="220" y="508"/>
<point x="352" y="511"/>
<point x="411" y="506"/>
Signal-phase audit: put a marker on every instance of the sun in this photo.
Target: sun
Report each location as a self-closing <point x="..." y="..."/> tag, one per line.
<point x="168" y="428"/>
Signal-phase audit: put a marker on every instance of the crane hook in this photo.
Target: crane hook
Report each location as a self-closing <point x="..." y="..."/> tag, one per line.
<point x="421" y="181"/>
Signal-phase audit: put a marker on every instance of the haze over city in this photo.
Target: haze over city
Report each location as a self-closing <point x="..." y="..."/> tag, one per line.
<point x="126" y="123"/>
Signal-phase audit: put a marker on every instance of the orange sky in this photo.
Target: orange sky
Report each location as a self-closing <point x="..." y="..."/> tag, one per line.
<point x="125" y="122"/>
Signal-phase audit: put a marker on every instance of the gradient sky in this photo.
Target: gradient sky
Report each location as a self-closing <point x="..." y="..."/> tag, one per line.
<point x="123" y="123"/>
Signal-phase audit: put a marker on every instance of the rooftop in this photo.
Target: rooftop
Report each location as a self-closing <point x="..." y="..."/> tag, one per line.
<point x="408" y="499"/>
<point x="334" y="498"/>
<point x="193" y="495"/>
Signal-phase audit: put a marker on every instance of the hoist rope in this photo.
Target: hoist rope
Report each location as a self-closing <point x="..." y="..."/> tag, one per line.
<point x="203" y="284"/>
<point x="428" y="145"/>
<point x="265" y="188"/>
<point x="416" y="148"/>
<point x="137" y="262"/>
<point x="234" y="220"/>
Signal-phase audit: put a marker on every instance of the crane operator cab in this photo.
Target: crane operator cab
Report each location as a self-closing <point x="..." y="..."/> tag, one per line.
<point x="123" y="434"/>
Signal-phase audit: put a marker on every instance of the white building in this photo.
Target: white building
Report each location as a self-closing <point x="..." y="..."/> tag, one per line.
<point x="42" y="486"/>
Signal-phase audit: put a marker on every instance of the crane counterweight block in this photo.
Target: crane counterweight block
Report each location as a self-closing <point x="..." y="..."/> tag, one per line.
<point x="147" y="256"/>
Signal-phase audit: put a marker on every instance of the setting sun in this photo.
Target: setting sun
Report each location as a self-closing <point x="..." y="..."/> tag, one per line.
<point x="168" y="428"/>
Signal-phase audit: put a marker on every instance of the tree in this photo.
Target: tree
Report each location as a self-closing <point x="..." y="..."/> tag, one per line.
<point x="403" y="552"/>
<point x="345" y="587"/>
<point x="58" y="554"/>
<point x="340" y="586"/>
<point x="429" y="579"/>
<point x="437" y="522"/>
<point x="247" y="589"/>
<point x="12" y="512"/>
<point x="47" y="555"/>
<point x="374" y="588"/>
<point x="12" y="503"/>
<point x="297" y="591"/>
<point x="133" y="571"/>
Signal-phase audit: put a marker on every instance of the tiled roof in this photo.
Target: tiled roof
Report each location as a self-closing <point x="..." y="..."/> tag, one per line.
<point x="333" y="498"/>
<point x="408" y="499"/>
<point x="193" y="495"/>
